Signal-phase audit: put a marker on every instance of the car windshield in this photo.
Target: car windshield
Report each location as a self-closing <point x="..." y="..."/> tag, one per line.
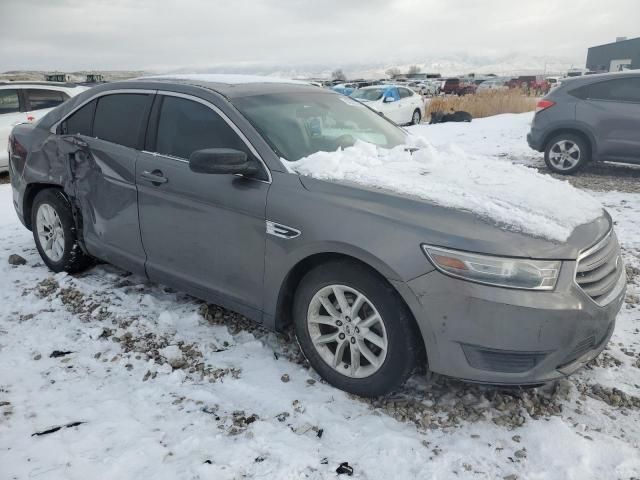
<point x="297" y="125"/>
<point x="370" y="94"/>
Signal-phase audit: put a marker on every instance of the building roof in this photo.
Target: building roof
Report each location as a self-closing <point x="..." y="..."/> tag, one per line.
<point x="636" y="39"/>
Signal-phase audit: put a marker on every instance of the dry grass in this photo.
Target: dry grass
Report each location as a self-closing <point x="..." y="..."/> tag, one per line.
<point x="484" y="104"/>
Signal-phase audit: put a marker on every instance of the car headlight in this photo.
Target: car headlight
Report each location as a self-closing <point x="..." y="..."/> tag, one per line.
<point x="497" y="271"/>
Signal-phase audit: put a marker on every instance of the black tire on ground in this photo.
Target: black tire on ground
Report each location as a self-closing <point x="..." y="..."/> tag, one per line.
<point x="403" y="350"/>
<point x="583" y="154"/>
<point x="415" y="121"/>
<point x="73" y="259"/>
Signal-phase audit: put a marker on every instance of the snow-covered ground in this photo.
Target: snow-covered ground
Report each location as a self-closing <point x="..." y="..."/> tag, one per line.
<point x="151" y="383"/>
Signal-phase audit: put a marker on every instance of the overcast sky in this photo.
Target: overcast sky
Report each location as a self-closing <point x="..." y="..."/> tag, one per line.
<point x="163" y="34"/>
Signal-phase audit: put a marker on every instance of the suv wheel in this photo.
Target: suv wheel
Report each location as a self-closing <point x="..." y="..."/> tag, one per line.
<point x="54" y="232"/>
<point x="566" y="153"/>
<point x="354" y="329"/>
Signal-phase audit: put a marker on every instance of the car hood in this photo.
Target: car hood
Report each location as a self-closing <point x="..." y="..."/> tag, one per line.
<point x="454" y="228"/>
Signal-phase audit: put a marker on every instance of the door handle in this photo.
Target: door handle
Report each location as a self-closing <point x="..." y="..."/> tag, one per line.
<point x="156" y="177"/>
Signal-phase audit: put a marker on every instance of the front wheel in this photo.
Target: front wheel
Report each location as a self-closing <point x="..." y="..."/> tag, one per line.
<point x="354" y="329"/>
<point x="415" y="118"/>
<point x="54" y="232"/>
<point x="566" y="153"/>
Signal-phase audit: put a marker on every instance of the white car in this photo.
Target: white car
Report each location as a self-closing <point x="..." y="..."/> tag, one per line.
<point x="396" y="102"/>
<point x="24" y="102"/>
<point x="493" y="84"/>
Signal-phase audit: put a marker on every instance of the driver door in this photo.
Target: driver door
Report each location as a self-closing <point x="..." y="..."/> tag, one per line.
<point x="202" y="233"/>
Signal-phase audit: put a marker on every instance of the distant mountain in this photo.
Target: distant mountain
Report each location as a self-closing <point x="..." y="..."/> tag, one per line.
<point x="451" y="65"/>
<point x="514" y="64"/>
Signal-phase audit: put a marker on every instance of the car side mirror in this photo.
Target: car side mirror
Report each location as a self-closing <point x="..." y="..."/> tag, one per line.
<point x="389" y="99"/>
<point x="221" y="161"/>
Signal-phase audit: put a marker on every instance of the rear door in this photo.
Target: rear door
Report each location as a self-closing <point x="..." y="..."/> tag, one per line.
<point x="100" y="143"/>
<point x="392" y="110"/>
<point x="612" y="108"/>
<point x="409" y="101"/>
<point x="202" y="233"/>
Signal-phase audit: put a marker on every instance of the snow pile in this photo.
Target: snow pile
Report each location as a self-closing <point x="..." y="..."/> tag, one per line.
<point x="514" y="197"/>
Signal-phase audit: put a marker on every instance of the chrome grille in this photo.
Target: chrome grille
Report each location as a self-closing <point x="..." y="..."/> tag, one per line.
<point x="600" y="271"/>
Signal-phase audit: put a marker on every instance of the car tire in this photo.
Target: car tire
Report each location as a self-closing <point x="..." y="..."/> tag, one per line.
<point x="416" y="117"/>
<point x="55" y="234"/>
<point x="567" y="153"/>
<point x="385" y="346"/>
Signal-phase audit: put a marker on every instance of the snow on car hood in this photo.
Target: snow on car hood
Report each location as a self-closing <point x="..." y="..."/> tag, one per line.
<point x="513" y="197"/>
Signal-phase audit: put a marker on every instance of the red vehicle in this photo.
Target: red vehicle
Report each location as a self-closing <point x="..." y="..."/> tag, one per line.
<point x="455" y="86"/>
<point x="535" y="83"/>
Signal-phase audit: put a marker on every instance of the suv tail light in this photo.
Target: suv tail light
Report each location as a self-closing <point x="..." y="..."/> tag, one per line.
<point x="544" y="104"/>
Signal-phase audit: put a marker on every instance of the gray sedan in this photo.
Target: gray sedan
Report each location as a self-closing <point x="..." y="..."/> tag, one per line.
<point x="181" y="181"/>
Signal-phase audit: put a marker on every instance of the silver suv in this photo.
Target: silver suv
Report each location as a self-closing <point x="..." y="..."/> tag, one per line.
<point x="595" y="117"/>
<point x="181" y="181"/>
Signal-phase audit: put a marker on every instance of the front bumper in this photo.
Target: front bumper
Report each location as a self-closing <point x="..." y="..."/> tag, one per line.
<point x="497" y="335"/>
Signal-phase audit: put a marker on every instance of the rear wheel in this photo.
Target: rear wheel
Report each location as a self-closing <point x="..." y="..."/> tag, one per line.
<point x="354" y="329"/>
<point x="566" y="153"/>
<point x="54" y="232"/>
<point x="415" y="118"/>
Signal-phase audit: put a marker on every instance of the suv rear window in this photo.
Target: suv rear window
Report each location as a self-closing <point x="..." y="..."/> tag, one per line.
<point x="38" y="98"/>
<point x="119" y="118"/>
<point x="9" y="101"/>
<point x="618" y="90"/>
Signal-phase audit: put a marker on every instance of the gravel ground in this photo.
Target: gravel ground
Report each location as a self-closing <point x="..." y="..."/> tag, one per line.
<point x="603" y="177"/>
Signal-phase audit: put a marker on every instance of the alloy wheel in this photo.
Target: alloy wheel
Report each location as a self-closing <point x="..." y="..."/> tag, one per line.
<point x="347" y="331"/>
<point x="416" y="118"/>
<point x="50" y="232"/>
<point x="564" y="154"/>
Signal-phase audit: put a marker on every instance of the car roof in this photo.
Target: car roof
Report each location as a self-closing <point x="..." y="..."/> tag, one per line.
<point x="234" y="86"/>
<point x="587" y="79"/>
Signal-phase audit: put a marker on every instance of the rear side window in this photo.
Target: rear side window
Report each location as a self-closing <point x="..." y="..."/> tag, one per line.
<point x="81" y="121"/>
<point x="119" y="118"/>
<point x="618" y="90"/>
<point x="38" y="99"/>
<point x="9" y="101"/>
<point x="185" y="126"/>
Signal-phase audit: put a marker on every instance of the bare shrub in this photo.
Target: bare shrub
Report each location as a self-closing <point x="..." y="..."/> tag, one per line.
<point x="484" y="104"/>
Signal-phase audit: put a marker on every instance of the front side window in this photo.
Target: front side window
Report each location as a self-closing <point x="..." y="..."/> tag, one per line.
<point x="39" y="99"/>
<point x="368" y="94"/>
<point x="297" y="125"/>
<point x="618" y="90"/>
<point x="120" y="118"/>
<point x="9" y="101"/>
<point x="405" y="93"/>
<point x="186" y="126"/>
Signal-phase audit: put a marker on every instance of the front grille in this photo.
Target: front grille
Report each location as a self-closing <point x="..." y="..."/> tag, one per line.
<point x="600" y="268"/>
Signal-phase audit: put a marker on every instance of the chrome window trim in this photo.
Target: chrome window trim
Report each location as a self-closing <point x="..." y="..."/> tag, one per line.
<point x="217" y="110"/>
<point x="55" y="126"/>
